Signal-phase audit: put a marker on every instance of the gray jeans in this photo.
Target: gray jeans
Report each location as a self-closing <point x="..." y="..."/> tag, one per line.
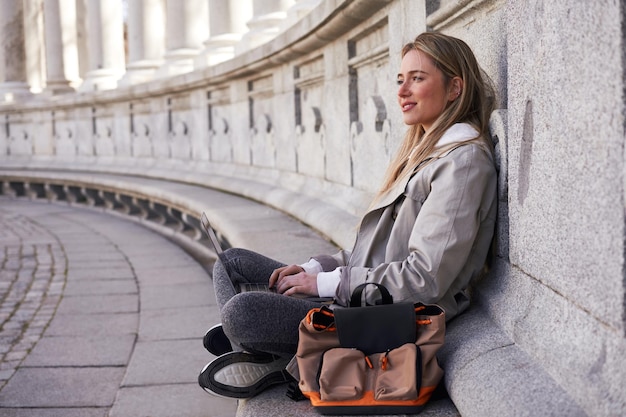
<point x="256" y="321"/>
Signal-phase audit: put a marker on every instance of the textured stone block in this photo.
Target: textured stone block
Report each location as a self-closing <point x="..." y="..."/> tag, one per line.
<point x="166" y="362"/>
<point x="181" y="400"/>
<point x="49" y="387"/>
<point x="81" y="351"/>
<point x="179" y="323"/>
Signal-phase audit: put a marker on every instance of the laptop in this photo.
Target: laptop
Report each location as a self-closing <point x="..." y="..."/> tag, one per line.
<point x="245" y="286"/>
<point x="217" y="248"/>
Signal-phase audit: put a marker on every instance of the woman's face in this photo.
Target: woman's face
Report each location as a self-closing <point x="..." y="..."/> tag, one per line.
<point x="422" y="93"/>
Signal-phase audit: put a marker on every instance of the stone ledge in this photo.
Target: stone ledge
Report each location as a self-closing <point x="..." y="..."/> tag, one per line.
<point x="487" y="374"/>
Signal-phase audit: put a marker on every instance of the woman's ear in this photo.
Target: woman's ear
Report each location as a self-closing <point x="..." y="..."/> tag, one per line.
<point x="456" y="88"/>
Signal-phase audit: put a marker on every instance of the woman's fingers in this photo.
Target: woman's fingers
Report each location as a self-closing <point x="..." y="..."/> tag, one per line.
<point x="300" y="283"/>
<point x="280" y="273"/>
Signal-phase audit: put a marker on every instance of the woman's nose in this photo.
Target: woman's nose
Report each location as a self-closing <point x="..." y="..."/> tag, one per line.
<point x="402" y="90"/>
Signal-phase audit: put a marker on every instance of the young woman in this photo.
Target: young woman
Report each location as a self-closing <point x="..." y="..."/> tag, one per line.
<point x="426" y="235"/>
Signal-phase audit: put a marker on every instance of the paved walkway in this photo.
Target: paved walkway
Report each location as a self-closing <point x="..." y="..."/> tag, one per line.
<point x="99" y="317"/>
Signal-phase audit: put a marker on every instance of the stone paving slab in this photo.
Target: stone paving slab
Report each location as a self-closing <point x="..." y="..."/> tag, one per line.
<point x="172" y="296"/>
<point x="94" y="263"/>
<point x="55" y="412"/>
<point x="157" y="259"/>
<point x="85" y="350"/>
<point x="92" y="304"/>
<point x="170" y="275"/>
<point x="178" y="323"/>
<point x="106" y="272"/>
<point x="171" y="401"/>
<point x="100" y="287"/>
<point x="97" y="325"/>
<point x="162" y="362"/>
<point x="62" y="387"/>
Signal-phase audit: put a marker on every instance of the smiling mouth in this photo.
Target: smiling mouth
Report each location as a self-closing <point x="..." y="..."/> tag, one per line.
<point x="407" y="106"/>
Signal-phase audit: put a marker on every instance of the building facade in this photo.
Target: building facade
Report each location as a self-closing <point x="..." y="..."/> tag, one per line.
<point x="301" y="95"/>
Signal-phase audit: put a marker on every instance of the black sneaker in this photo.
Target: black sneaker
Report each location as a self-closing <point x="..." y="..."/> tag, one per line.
<point x="216" y="342"/>
<point x="243" y="374"/>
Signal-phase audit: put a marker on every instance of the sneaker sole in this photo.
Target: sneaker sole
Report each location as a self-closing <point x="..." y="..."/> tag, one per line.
<point x="242" y="375"/>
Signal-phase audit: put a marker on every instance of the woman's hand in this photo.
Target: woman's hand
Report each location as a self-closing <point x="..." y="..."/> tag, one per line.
<point x="292" y="279"/>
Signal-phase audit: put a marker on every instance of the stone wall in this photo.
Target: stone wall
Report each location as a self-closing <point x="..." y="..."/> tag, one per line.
<point x="561" y="295"/>
<point x="313" y="114"/>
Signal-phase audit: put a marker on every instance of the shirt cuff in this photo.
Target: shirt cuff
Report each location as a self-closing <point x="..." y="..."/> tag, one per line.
<point x="312" y="267"/>
<point x="327" y="282"/>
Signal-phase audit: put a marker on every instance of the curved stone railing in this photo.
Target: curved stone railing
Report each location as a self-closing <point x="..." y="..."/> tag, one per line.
<point x="298" y="114"/>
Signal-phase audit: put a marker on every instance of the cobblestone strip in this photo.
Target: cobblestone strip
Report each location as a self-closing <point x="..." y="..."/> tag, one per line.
<point x="32" y="277"/>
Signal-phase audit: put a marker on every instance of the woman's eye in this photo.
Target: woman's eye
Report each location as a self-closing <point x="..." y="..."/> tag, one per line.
<point x="399" y="82"/>
<point x="417" y="78"/>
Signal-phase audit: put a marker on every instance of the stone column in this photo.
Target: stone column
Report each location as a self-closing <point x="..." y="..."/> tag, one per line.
<point x="265" y="24"/>
<point x="227" y="24"/>
<point x="186" y="28"/>
<point x="146" y="40"/>
<point x="82" y="44"/>
<point x="61" y="47"/>
<point x="13" y="84"/>
<point x="105" y="37"/>
<point x="34" y="44"/>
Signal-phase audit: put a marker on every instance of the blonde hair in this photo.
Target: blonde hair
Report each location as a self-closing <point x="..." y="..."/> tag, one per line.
<point x="453" y="58"/>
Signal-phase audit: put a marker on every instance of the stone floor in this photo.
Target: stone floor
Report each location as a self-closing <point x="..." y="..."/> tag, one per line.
<point x="99" y="316"/>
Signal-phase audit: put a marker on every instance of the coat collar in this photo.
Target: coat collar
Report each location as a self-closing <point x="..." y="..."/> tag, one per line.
<point x="454" y="137"/>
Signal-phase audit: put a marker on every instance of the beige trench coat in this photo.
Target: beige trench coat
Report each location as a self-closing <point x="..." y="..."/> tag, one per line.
<point x="429" y="236"/>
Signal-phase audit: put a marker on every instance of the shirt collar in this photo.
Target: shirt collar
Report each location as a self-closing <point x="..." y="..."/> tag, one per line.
<point x="458" y="132"/>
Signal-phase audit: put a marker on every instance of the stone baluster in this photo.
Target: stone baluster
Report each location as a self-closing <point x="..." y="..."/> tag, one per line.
<point x="13" y="77"/>
<point x="61" y="46"/>
<point x="227" y="24"/>
<point x="146" y="40"/>
<point x="186" y="28"/>
<point x="105" y="37"/>
<point x="82" y="44"/>
<point x="265" y="23"/>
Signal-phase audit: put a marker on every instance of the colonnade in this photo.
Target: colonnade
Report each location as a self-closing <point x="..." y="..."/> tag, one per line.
<point x="103" y="44"/>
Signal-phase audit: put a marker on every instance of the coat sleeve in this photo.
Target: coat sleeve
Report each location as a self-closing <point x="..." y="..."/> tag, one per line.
<point x="442" y="238"/>
<point x="331" y="262"/>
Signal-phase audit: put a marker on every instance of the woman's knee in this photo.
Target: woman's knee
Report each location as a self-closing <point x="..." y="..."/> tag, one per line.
<point x="239" y="315"/>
